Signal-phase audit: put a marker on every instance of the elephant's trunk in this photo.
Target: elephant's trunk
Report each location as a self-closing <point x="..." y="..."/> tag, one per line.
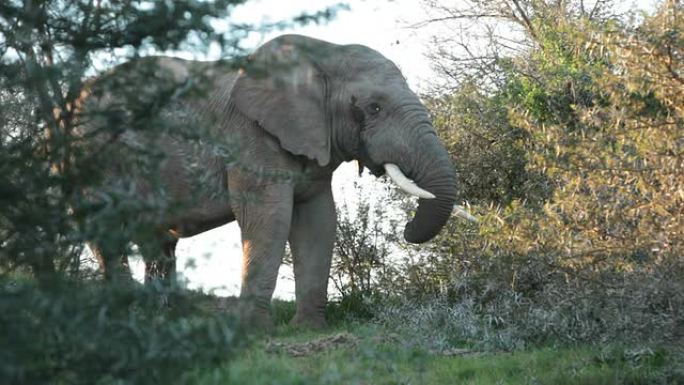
<point x="435" y="173"/>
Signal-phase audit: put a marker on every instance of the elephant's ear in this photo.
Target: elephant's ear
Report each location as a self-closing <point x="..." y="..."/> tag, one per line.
<point x="282" y="88"/>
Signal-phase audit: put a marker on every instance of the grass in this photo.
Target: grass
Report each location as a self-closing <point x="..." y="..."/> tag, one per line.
<point x="363" y="355"/>
<point x="193" y="342"/>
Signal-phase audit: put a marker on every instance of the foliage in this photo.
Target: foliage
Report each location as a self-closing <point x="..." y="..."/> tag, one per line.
<point x="48" y="47"/>
<point x="569" y="150"/>
<point x="488" y="151"/>
<point x="84" y="333"/>
<point x="55" y="195"/>
<point x="361" y="257"/>
<point x="607" y="138"/>
<point x="602" y="124"/>
<point x="482" y="36"/>
<point x="71" y="173"/>
<point x="597" y="171"/>
<point x="487" y="315"/>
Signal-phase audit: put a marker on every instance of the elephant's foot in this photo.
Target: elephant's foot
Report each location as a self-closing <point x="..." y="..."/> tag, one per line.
<point x="315" y="320"/>
<point x="256" y="316"/>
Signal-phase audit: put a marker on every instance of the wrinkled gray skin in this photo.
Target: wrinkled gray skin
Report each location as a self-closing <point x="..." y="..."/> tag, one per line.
<point x="299" y="107"/>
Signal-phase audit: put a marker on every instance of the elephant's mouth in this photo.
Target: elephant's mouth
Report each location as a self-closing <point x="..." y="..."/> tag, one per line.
<point x="397" y="176"/>
<point x="375" y="169"/>
<point x="405" y="183"/>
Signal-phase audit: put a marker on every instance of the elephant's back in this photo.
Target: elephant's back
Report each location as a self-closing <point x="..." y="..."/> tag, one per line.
<point x="184" y="150"/>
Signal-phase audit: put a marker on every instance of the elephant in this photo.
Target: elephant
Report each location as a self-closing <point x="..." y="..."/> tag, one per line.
<point x="296" y="108"/>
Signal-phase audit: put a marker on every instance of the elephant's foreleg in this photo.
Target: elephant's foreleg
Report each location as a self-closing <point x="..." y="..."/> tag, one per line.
<point x="312" y="236"/>
<point x="264" y="217"/>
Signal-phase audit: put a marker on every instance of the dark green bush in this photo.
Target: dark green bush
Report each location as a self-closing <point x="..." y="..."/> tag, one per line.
<point x="282" y="311"/>
<point x="85" y="333"/>
<point x="338" y="310"/>
<point x="355" y="307"/>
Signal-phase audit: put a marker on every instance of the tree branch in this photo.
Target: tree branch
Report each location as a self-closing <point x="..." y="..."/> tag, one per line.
<point x="526" y="20"/>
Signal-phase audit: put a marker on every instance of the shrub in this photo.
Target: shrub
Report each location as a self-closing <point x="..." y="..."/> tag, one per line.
<point x="573" y="160"/>
<point x="486" y="315"/>
<point x="84" y="333"/>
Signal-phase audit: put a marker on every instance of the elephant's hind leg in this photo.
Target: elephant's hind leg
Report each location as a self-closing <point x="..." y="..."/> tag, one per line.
<point x="160" y="260"/>
<point x="113" y="261"/>
<point x="312" y="237"/>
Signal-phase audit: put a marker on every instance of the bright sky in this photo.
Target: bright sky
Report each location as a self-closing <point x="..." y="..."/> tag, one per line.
<point x="379" y="24"/>
<point x="212" y="260"/>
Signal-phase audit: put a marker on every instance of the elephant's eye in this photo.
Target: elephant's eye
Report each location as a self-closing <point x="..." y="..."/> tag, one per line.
<point x="374" y="108"/>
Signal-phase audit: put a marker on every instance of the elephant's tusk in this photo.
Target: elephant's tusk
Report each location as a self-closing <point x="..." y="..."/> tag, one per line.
<point x="405" y="183"/>
<point x="461" y="212"/>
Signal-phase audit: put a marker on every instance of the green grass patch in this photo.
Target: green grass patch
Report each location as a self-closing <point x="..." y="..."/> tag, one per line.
<point x="360" y="354"/>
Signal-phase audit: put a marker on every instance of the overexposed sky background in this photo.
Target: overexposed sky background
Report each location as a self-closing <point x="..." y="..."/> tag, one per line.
<point x="212" y="261"/>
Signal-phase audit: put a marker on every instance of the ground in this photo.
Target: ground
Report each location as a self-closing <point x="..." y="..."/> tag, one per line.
<point x="363" y="353"/>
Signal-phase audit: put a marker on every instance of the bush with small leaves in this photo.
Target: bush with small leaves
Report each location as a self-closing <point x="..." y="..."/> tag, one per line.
<point x="86" y="333"/>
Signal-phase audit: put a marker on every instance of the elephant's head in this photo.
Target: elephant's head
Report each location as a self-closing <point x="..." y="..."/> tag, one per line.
<point x="340" y="102"/>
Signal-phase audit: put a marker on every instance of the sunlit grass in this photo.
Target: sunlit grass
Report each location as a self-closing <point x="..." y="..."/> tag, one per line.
<point x="368" y="357"/>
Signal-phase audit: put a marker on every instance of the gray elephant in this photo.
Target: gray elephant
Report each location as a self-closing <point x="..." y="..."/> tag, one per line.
<point x="297" y="109"/>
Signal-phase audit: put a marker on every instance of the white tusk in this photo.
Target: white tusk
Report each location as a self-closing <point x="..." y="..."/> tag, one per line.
<point x="461" y="212"/>
<point x="405" y="183"/>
